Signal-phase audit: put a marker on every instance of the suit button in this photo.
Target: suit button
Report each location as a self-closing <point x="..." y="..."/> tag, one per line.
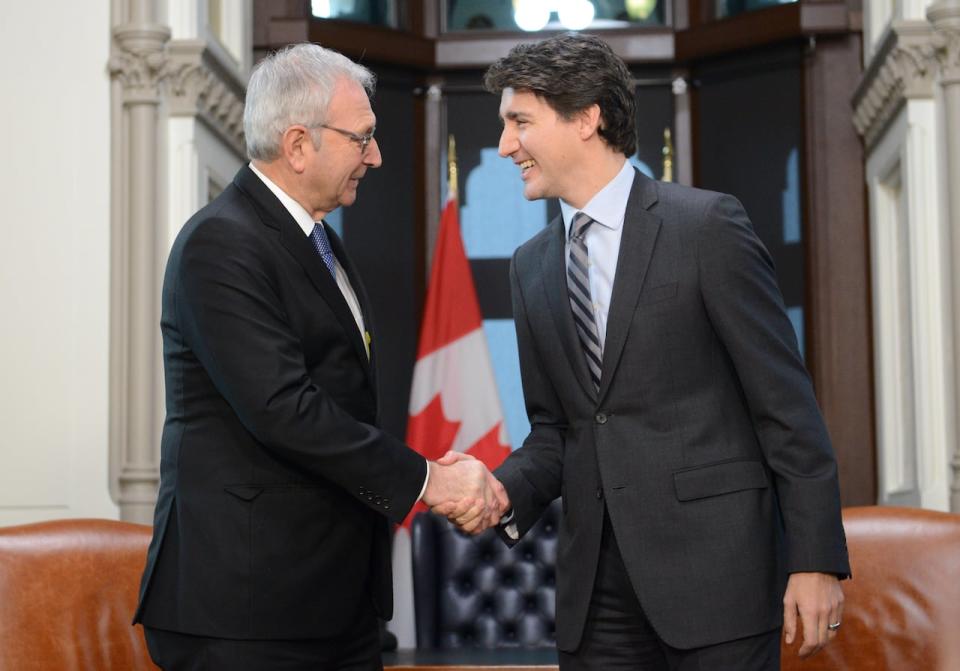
<point x="601" y="418"/>
<point x="599" y="493"/>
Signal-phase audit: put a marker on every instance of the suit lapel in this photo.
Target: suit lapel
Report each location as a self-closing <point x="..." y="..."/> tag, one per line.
<point x="554" y="278"/>
<point x="640" y="229"/>
<point x="300" y="248"/>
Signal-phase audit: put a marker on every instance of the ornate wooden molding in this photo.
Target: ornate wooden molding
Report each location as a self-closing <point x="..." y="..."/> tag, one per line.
<point x="904" y="68"/>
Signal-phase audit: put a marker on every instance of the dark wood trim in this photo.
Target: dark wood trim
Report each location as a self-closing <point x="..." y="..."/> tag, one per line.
<point x="420" y="209"/>
<point x="373" y="44"/>
<point x="761" y="27"/>
<point x="478" y="49"/>
<point x="839" y="317"/>
<point x="424" y="17"/>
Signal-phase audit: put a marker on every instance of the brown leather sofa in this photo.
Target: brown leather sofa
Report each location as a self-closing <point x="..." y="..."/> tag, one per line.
<point x="68" y="589"/>
<point x="902" y="607"/>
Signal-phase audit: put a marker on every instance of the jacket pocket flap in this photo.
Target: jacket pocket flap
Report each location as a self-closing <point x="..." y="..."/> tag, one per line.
<point x="724" y="478"/>
<point x="244" y="492"/>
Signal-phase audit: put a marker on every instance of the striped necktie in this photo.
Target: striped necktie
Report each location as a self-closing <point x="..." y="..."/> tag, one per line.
<point x="578" y="286"/>
<point x="322" y="244"/>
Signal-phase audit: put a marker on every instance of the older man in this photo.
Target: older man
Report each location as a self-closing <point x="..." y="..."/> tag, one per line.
<point x="271" y="534"/>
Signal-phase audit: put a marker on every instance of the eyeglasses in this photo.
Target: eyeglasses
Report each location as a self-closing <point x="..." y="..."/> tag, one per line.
<point x="363" y="141"/>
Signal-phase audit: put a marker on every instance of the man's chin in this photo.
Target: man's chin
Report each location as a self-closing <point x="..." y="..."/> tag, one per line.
<point x="531" y="192"/>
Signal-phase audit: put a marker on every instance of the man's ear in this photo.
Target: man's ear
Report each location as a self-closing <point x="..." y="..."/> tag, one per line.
<point x="293" y="147"/>
<point x="590" y="121"/>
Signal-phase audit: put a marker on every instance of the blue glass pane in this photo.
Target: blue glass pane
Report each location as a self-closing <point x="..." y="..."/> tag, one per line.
<point x="376" y="12"/>
<point x="791" y="199"/>
<point x="502" y="341"/>
<point x="335" y="220"/>
<point x="733" y="7"/>
<point x="534" y="15"/>
<point x="496" y="218"/>
<point x="796" y="318"/>
<point x="641" y="166"/>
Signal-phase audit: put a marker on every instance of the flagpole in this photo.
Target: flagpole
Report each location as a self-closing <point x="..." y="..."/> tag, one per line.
<point x="452" y="165"/>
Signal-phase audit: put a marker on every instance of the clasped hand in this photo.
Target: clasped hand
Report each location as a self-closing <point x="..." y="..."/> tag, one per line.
<point x="461" y="489"/>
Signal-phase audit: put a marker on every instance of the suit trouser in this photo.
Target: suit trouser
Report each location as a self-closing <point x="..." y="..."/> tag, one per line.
<point x="356" y="650"/>
<point x="618" y="634"/>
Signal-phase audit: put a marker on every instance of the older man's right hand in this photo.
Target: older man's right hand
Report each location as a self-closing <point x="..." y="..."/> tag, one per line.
<point x="464" y="491"/>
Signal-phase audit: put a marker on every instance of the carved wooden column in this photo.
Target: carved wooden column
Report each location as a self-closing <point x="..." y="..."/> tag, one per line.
<point x="137" y="66"/>
<point x="945" y="18"/>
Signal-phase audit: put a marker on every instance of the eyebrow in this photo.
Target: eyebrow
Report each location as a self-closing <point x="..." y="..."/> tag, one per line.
<point x="513" y="116"/>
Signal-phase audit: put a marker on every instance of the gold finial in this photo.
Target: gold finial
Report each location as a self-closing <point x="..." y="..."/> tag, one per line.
<point x="452" y="164"/>
<point x="667" y="156"/>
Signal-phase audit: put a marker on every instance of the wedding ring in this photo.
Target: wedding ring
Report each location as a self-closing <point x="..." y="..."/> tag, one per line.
<point x="834" y="626"/>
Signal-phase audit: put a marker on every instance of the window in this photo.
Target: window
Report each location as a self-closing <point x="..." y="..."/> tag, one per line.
<point x="534" y="15"/>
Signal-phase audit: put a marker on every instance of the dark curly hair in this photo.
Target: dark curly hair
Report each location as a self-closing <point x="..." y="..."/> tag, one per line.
<point x="571" y="72"/>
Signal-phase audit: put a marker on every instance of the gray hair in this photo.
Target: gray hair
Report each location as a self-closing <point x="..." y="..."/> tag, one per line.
<point x="294" y="86"/>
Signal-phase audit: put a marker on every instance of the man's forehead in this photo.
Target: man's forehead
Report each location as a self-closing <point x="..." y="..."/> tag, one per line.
<point x="350" y="99"/>
<point x="513" y="101"/>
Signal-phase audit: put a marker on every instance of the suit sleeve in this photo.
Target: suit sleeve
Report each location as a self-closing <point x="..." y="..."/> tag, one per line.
<point x="231" y="316"/>
<point x="744" y="304"/>
<point x="532" y="474"/>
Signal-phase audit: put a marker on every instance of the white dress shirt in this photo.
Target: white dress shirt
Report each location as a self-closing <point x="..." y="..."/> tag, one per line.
<point x="607" y="209"/>
<point x="306" y="222"/>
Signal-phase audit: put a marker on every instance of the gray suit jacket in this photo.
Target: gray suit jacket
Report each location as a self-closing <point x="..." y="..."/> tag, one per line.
<point x="705" y="442"/>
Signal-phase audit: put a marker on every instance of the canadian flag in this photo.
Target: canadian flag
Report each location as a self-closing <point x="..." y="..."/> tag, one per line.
<point x="454" y="403"/>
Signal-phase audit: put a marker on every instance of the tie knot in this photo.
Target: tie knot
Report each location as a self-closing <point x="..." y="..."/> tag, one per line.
<point x="578" y="227"/>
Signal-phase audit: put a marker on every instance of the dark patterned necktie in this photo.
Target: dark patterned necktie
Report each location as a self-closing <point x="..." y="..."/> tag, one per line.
<point x="578" y="287"/>
<point x="322" y="244"/>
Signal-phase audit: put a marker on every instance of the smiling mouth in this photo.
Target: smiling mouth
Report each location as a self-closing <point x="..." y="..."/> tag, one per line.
<point x="526" y="165"/>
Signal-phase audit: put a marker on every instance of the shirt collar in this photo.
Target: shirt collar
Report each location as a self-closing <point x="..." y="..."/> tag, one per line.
<point x="296" y="210"/>
<point x="609" y="205"/>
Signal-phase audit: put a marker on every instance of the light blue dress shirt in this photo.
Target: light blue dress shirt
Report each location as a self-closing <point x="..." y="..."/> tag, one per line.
<point x="607" y="209"/>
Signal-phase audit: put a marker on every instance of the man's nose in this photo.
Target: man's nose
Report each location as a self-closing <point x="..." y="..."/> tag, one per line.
<point x="373" y="158"/>
<point x="508" y="143"/>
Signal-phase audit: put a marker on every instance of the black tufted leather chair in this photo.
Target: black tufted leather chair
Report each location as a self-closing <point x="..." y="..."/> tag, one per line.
<point x="475" y="592"/>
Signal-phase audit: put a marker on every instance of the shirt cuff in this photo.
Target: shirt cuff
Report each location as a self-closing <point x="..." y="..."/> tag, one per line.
<point x="426" y="479"/>
<point x="509" y="526"/>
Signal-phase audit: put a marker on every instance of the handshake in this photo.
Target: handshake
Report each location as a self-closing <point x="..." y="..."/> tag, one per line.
<point x="461" y="489"/>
